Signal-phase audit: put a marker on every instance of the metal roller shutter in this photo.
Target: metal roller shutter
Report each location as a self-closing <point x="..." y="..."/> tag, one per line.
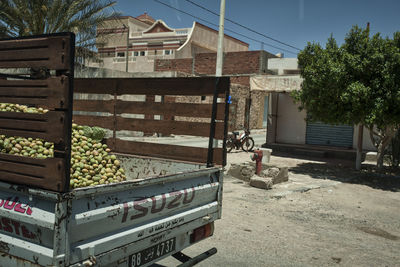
<point x="318" y="133"/>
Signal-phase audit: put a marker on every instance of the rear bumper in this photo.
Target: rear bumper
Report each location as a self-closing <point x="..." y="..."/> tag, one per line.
<point x="120" y="257"/>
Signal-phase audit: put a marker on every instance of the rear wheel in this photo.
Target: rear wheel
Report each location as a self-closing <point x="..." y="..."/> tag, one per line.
<point x="248" y="144"/>
<point x="229" y="146"/>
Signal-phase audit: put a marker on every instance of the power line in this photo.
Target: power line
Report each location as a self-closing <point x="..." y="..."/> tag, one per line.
<point x="240" y="25"/>
<point x="228" y="30"/>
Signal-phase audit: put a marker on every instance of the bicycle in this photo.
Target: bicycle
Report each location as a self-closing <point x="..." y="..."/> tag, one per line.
<point x="243" y="141"/>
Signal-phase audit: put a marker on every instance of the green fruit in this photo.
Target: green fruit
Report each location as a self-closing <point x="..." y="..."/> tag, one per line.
<point x="90" y="162"/>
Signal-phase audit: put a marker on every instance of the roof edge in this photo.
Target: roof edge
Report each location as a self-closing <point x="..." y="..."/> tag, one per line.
<point x="228" y="36"/>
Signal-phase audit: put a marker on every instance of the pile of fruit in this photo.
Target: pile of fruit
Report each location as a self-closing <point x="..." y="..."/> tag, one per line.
<point x="91" y="163"/>
<point x="28" y="147"/>
<point x="20" y="108"/>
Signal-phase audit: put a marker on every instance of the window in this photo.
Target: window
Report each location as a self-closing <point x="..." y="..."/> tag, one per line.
<point x="135" y="53"/>
<point x="120" y="54"/>
<point x="155" y="52"/>
<point x="203" y="97"/>
<point x="142" y="53"/>
<point x="167" y="52"/>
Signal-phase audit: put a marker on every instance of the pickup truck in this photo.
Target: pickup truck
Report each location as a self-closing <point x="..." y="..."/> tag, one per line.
<point x="172" y="196"/>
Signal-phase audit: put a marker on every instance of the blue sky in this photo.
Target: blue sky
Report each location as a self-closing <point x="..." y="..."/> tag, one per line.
<point x="295" y="22"/>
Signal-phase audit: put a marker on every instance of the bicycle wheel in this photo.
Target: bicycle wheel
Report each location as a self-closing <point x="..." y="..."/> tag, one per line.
<point x="229" y="146"/>
<point x="248" y="144"/>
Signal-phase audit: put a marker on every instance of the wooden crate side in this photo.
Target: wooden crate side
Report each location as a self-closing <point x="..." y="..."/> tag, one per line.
<point x="150" y="86"/>
<point x="51" y="93"/>
<point x="169" y="127"/>
<point x="45" y="55"/>
<point x="51" y="52"/>
<point x="169" y="109"/>
<point x="94" y="105"/>
<point x="170" y="86"/>
<point x="45" y="173"/>
<point x="49" y="126"/>
<point x="95" y="85"/>
<point x="176" y="152"/>
<point x="100" y="121"/>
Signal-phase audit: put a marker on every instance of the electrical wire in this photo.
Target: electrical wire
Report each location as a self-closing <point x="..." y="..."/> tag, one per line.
<point x="244" y="27"/>
<point x="226" y="29"/>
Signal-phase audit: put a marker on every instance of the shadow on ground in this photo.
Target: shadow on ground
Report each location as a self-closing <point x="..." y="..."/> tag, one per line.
<point x="341" y="171"/>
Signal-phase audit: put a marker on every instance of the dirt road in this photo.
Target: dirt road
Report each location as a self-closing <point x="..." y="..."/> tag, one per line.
<point x="326" y="215"/>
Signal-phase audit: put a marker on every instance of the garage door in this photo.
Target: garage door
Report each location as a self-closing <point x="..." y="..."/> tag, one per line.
<point x="318" y="133"/>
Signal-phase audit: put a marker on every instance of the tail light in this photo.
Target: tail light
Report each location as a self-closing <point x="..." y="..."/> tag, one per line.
<point x="202" y="232"/>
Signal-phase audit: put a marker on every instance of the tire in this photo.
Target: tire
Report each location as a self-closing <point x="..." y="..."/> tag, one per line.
<point x="229" y="146"/>
<point x="248" y="144"/>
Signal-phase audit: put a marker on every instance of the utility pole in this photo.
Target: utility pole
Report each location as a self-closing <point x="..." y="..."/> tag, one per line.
<point x="360" y="134"/>
<point x="220" y="49"/>
<point x="127" y="48"/>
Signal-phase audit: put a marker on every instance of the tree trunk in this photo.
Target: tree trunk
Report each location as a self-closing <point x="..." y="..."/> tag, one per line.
<point x="385" y="141"/>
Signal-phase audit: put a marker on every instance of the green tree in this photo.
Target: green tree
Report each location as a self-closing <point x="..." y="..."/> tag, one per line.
<point x="355" y="83"/>
<point x="32" y="17"/>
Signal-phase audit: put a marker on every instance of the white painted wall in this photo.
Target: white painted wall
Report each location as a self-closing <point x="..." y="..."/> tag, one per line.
<point x="367" y="144"/>
<point x="280" y="64"/>
<point x="291" y="124"/>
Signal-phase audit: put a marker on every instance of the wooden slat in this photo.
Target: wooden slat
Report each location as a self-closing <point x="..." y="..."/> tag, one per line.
<point x="169" y="127"/>
<point x="170" y="86"/>
<point x="151" y="86"/>
<point x="184" y="153"/>
<point x="95" y="85"/>
<point x="101" y="121"/>
<point x="50" y="93"/>
<point x="43" y="173"/>
<point x="94" y="105"/>
<point x="50" y="126"/>
<point x="49" y="52"/>
<point x="20" y="54"/>
<point x="169" y="109"/>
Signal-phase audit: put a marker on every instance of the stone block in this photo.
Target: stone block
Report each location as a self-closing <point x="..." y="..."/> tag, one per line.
<point x="278" y="175"/>
<point x="261" y="182"/>
<point x="242" y="171"/>
<point x="283" y="176"/>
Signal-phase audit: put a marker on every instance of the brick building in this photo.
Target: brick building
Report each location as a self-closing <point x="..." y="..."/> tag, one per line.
<point x="248" y="109"/>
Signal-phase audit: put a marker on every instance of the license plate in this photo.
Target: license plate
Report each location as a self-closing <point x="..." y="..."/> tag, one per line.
<point x="154" y="252"/>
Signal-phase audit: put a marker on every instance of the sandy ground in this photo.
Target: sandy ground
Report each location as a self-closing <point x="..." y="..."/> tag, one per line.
<point x="326" y="215"/>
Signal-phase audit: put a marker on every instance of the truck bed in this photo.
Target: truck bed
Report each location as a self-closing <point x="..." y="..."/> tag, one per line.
<point x="107" y="223"/>
<point x="166" y="204"/>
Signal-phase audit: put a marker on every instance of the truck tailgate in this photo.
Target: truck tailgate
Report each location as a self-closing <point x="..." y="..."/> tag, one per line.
<point x="106" y="223"/>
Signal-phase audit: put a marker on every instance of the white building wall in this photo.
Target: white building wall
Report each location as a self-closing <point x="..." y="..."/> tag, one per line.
<point x="367" y="143"/>
<point x="278" y="65"/>
<point x="291" y="124"/>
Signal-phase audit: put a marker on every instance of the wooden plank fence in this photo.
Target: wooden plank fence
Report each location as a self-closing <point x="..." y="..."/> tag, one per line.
<point x="167" y="125"/>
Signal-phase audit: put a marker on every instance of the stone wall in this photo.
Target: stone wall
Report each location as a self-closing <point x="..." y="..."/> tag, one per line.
<point x="239" y="94"/>
<point x="257" y="109"/>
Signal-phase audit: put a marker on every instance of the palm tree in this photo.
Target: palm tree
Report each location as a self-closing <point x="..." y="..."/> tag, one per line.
<point x="32" y="17"/>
